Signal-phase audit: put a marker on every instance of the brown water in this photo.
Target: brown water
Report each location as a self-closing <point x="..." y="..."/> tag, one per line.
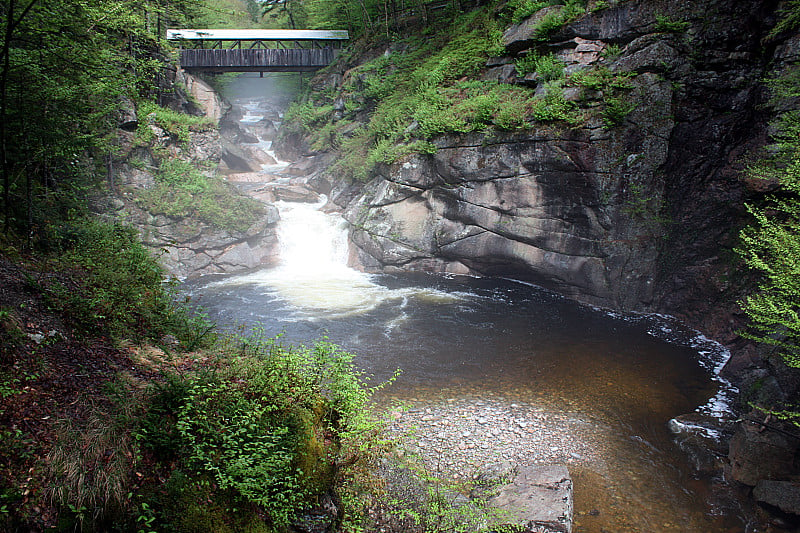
<point x="623" y="378"/>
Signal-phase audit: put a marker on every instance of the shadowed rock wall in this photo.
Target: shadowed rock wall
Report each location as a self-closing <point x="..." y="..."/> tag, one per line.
<point x="640" y="215"/>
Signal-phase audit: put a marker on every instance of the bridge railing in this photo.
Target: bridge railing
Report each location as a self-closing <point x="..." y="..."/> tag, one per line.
<point x="256" y="50"/>
<point x="256" y="60"/>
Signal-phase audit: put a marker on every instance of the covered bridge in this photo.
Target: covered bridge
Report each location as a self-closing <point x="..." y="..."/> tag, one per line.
<point x="256" y="50"/>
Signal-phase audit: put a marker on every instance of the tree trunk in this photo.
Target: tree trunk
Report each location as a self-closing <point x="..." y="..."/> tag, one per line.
<point x="5" y="55"/>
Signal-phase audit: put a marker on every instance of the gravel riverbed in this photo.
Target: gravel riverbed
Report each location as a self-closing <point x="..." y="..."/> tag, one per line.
<point x="459" y="436"/>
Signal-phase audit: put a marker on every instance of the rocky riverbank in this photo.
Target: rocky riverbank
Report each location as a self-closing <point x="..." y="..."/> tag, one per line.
<point x="187" y="244"/>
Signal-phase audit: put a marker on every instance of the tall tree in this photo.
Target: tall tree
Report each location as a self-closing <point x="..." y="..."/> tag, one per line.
<point x="64" y="65"/>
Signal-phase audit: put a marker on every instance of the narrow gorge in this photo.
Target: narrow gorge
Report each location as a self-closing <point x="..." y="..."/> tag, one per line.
<point x="500" y="265"/>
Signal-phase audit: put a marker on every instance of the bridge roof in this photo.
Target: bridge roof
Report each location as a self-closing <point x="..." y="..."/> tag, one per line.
<point x="257" y="35"/>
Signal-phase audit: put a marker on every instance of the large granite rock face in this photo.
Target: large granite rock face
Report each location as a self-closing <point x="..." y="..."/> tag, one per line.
<point x="554" y="206"/>
<point x="188" y="247"/>
<point x="631" y="215"/>
<point x="206" y="97"/>
<point x="191" y="249"/>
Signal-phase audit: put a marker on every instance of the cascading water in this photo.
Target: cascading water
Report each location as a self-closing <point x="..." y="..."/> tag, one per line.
<point x="313" y="279"/>
<point x="489" y="352"/>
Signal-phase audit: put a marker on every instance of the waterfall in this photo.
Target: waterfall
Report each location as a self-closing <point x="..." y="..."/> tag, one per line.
<point x="313" y="276"/>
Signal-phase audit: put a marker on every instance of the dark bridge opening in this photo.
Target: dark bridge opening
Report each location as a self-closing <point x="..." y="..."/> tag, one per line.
<point x="257" y="50"/>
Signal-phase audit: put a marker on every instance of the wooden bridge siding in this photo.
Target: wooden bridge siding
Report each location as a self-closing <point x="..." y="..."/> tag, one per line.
<point x="255" y="60"/>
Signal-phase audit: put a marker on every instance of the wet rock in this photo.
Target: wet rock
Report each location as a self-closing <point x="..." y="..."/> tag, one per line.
<point x="236" y="159"/>
<point x="294" y="193"/>
<point x="264" y="129"/>
<point x="703" y="438"/>
<point x="257" y="155"/>
<point x="758" y="452"/>
<point x="522" y="206"/>
<point x="785" y="495"/>
<point x="539" y="498"/>
<point x="304" y="166"/>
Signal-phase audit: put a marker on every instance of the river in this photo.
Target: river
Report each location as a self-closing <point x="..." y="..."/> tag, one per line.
<point x="601" y="386"/>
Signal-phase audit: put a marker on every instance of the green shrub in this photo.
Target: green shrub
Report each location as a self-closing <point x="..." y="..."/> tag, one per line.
<point x="770" y="245"/>
<point x="548" y="67"/>
<point x="271" y="425"/>
<point x="522" y="9"/>
<point x="611" y="52"/>
<point x="665" y="24"/>
<point x="554" y="107"/>
<point x="179" y="125"/>
<point x="616" y="110"/>
<point x="183" y="191"/>
<point x="122" y="290"/>
<point x="419" y="92"/>
<point x="304" y="117"/>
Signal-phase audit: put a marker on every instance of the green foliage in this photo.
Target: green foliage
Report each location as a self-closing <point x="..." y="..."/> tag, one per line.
<point x="419" y="92"/>
<point x="616" y="110"/>
<point x="274" y="425"/>
<point x="562" y="13"/>
<point x="554" y="107"/>
<point x="522" y="9"/>
<point x="665" y="24"/>
<point x="183" y="191"/>
<point x="305" y="117"/>
<point x="611" y="52"/>
<point x="790" y="18"/>
<point x="178" y="125"/>
<point x="600" y="5"/>
<point x="601" y="79"/>
<point x="64" y="68"/>
<point x="555" y="20"/>
<point x="548" y="67"/>
<point x="122" y="288"/>
<point x="613" y="88"/>
<point x="771" y="244"/>
<point x="227" y="14"/>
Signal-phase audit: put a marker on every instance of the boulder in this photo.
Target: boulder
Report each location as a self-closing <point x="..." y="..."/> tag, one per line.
<point x="304" y="166"/>
<point x="294" y="193"/>
<point x="234" y="132"/>
<point x="236" y="159"/>
<point x="758" y="452"/>
<point x="265" y="129"/>
<point x="648" y="54"/>
<point x="785" y="495"/>
<point x="538" y="499"/>
<point x="206" y="97"/>
<point x="257" y="155"/>
<point x="524" y="35"/>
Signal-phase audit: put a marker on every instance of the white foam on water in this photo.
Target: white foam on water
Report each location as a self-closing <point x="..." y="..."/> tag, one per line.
<point x="313" y="276"/>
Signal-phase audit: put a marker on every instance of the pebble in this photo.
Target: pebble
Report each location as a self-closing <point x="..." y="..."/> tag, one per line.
<point x="466" y="433"/>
